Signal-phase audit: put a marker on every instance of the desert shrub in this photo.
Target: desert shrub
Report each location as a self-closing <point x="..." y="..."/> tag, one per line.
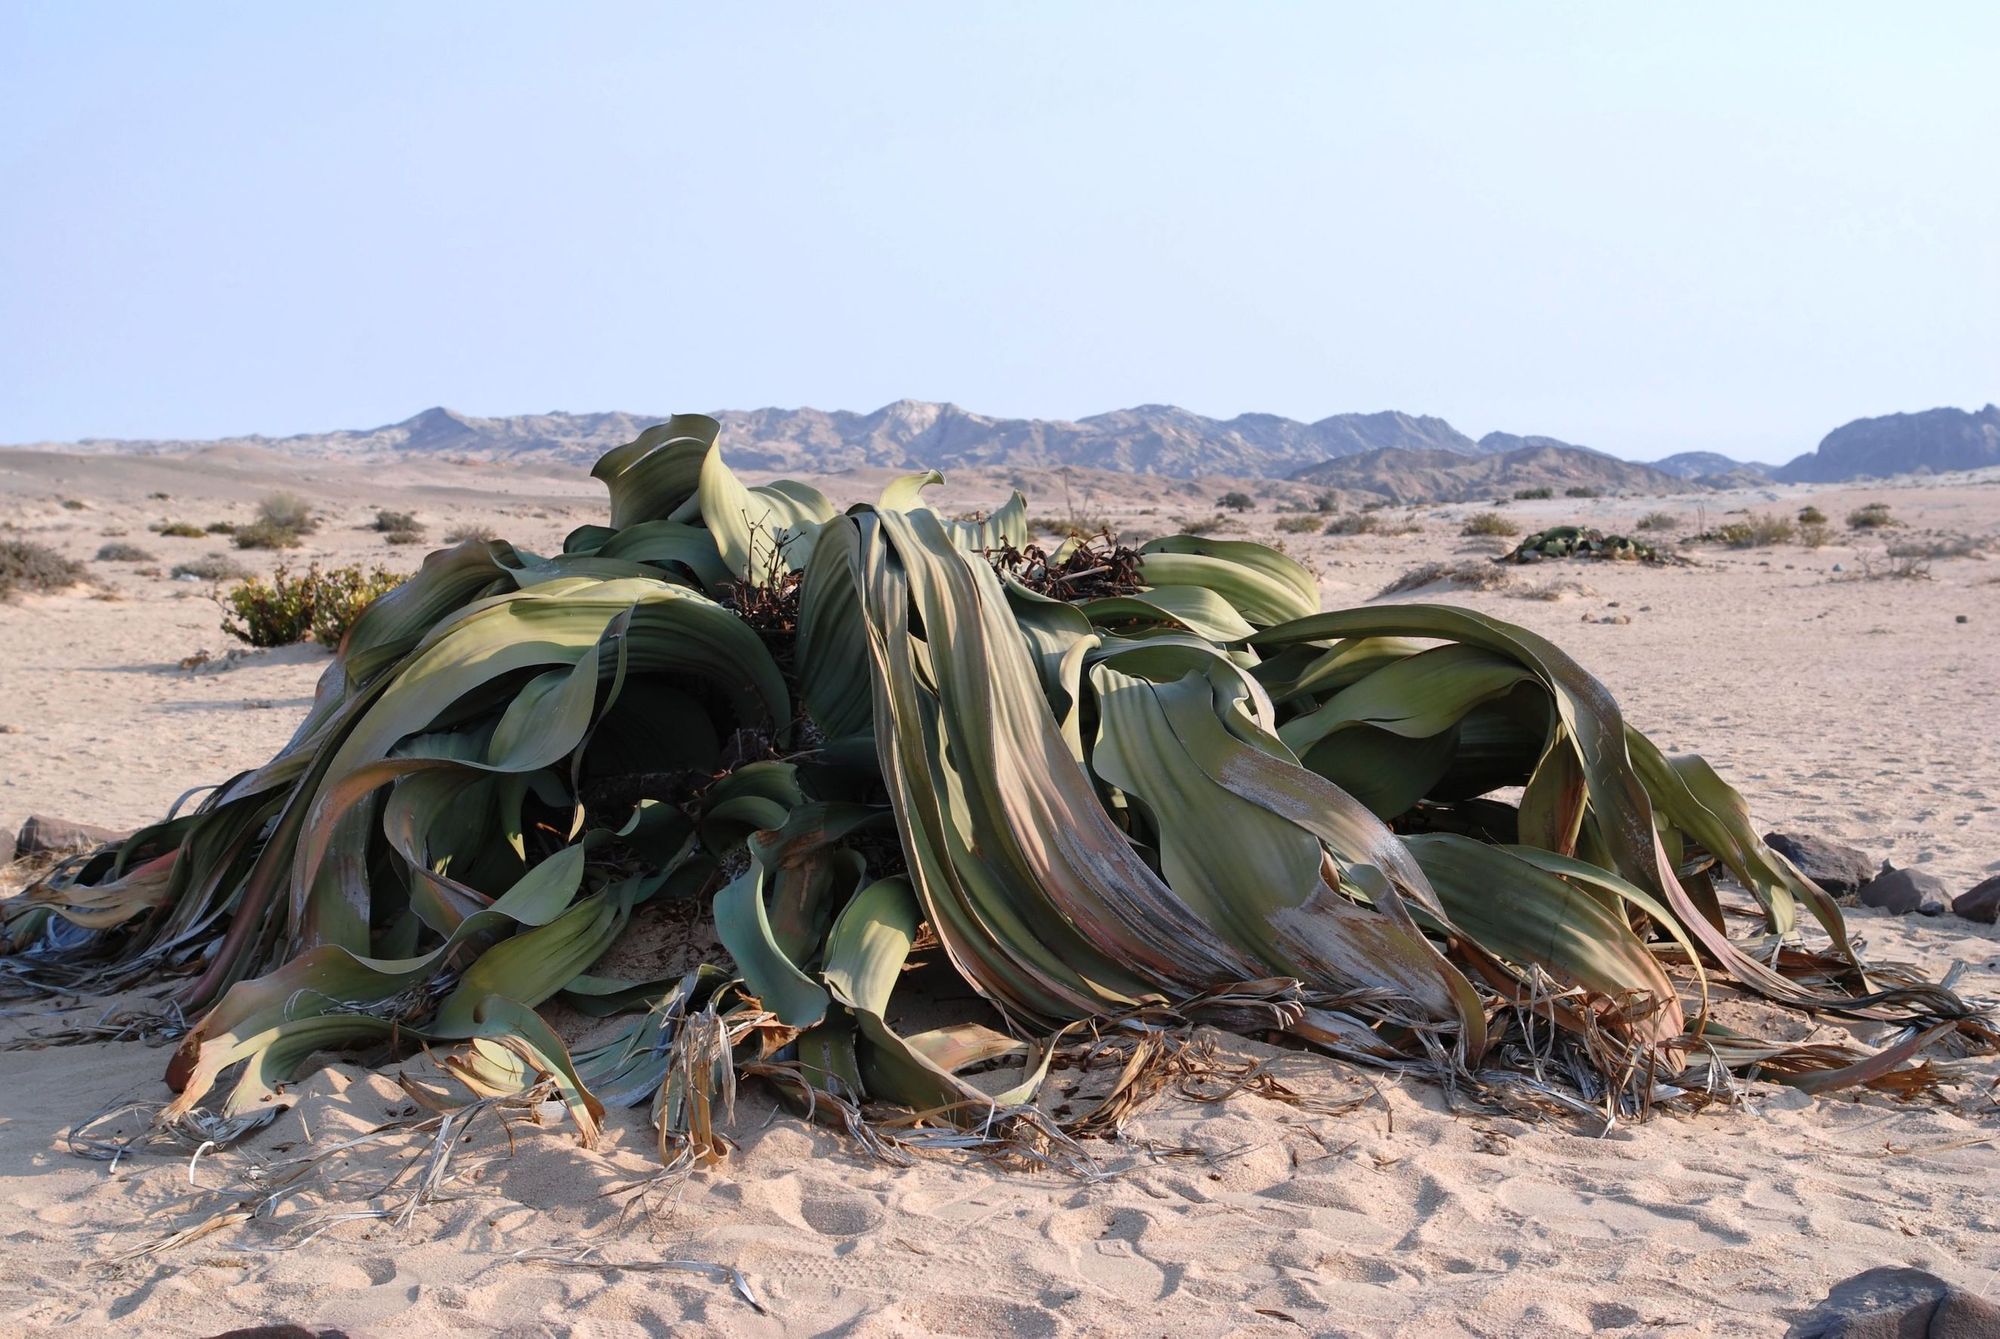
<point x="120" y="552"/>
<point x="403" y="537"/>
<point x="1236" y="502"/>
<point x="1553" y="591"/>
<point x="1907" y="568"/>
<point x="219" y="528"/>
<point x="27" y="566"/>
<point x="1756" y="532"/>
<point x="1533" y="494"/>
<point x="1326" y="502"/>
<point x="1204" y="525"/>
<point x="1583" y="490"/>
<point x="1355" y="523"/>
<point x="1658" y="520"/>
<point x="1467" y="575"/>
<point x="1302" y="523"/>
<point x="286" y="511"/>
<point x="72" y="504"/>
<point x="1815" y="534"/>
<point x="1940" y="546"/>
<point x="319" y="601"/>
<point x="215" y="567"/>
<point x="1810" y="515"/>
<point x="1489" y="523"/>
<point x="1870" y="516"/>
<point x="264" y="535"/>
<point x="1077" y="526"/>
<point x="177" y="530"/>
<point x="458" y="534"/>
<point x="398" y="523"/>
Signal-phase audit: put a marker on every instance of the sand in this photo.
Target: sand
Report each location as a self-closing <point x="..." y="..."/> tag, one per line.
<point x="1856" y="708"/>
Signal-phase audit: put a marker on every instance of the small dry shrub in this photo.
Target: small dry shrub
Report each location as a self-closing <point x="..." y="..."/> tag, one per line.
<point x="1940" y="547"/>
<point x="1466" y="575"/>
<point x="1299" y="523"/>
<point x="458" y="534"/>
<point x="264" y="535"/>
<point x="1355" y="523"/>
<point x="1533" y="494"/>
<point x="178" y="530"/>
<point x="1871" y="516"/>
<point x="1815" y="534"/>
<point x="1810" y="515"/>
<point x="1756" y="532"/>
<point x="215" y="567"/>
<point x="27" y="566"/>
<point x="1078" y="525"/>
<point x="119" y="552"/>
<point x="1489" y="523"/>
<point x="1583" y="490"/>
<point x="398" y="523"/>
<point x="287" y="511"/>
<point x="1658" y="520"/>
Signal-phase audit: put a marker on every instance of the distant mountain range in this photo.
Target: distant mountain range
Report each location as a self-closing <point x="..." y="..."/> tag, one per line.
<point x="1391" y="449"/>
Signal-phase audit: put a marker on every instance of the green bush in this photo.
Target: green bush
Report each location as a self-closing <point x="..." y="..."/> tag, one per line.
<point x="1533" y="494"/>
<point x="1811" y="516"/>
<point x="1326" y="502"/>
<point x="318" y="602"/>
<point x="215" y="567"/>
<point x="219" y="528"/>
<point x="264" y="535"/>
<point x="1489" y="523"/>
<point x="1583" y="490"/>
<point x="1658" y="520"/>
<point x="1236" y="502"/>
<point x="120" y="552"/>
<point x="178" y="530"/>
<point x="37" y="567"/>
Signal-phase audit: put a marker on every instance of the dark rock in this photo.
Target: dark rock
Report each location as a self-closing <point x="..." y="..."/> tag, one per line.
<point x="1981" y="902"/>
<point x="1906" y="891"/>
<point x="42" y="835"/>
<point x="1839" y="869"/>
<point x="1892" y="1303"/>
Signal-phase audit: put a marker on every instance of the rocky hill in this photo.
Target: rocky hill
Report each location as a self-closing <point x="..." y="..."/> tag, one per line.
<point x="1445" y="476"/>
<point x="1932" y="442"/>
<point x="1706" y="465"/>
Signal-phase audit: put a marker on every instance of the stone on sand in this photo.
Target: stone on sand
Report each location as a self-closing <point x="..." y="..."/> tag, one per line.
<point x="1839" y="869"/>
<point x="1906" y="891"/>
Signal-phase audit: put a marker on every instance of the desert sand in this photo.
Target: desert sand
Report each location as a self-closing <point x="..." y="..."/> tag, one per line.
<point x="1841" y="700"/>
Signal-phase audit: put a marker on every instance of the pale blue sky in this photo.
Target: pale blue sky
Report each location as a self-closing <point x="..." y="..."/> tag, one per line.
<point x="1649" y="229"/>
